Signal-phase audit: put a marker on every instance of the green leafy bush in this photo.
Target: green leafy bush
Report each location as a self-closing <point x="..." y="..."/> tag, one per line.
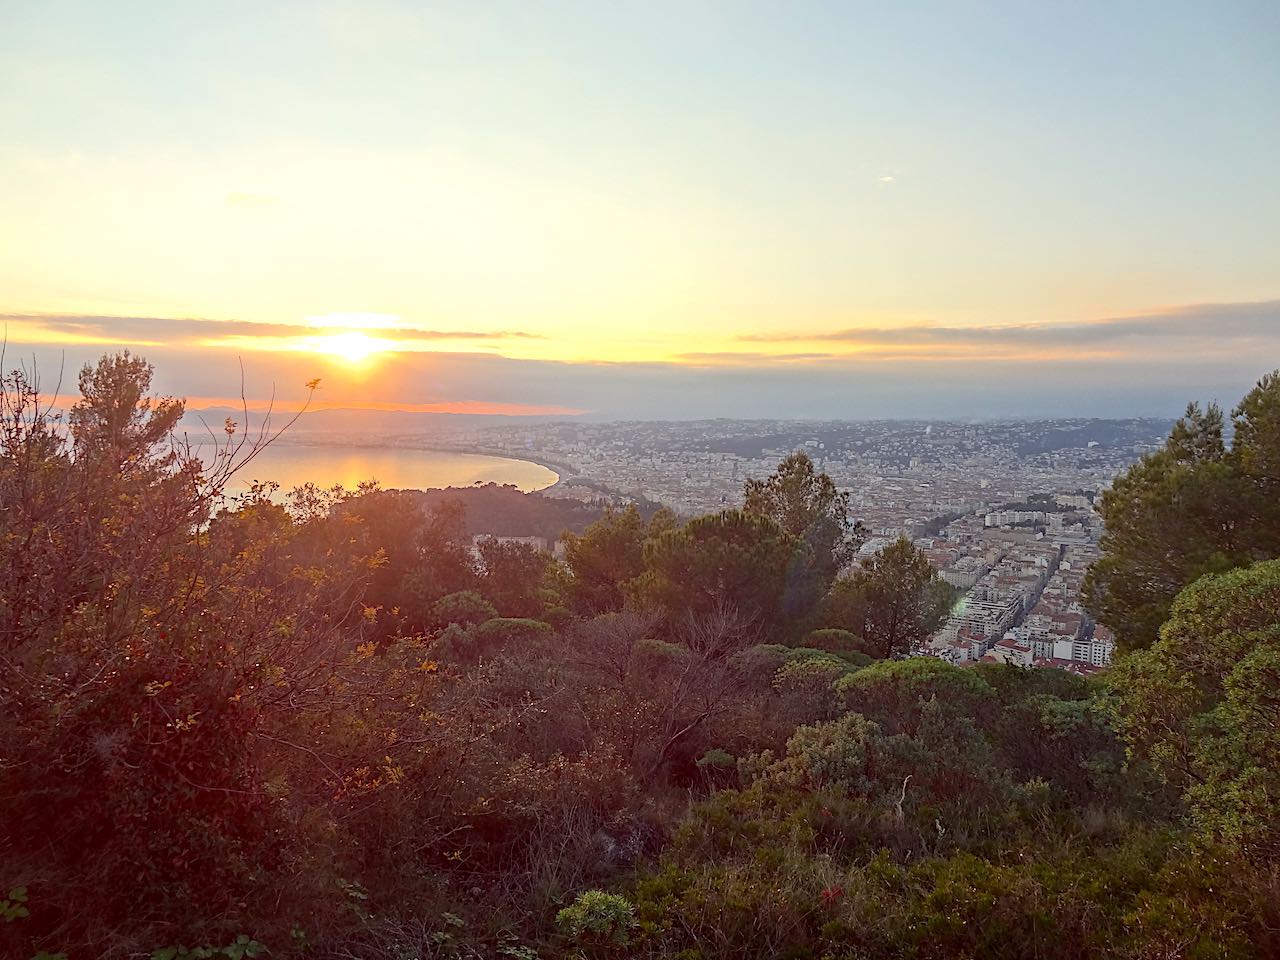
<point x="597" y="918"/>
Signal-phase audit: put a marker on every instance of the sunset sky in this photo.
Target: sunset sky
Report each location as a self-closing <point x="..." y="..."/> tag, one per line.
<point x="684" y="209"/>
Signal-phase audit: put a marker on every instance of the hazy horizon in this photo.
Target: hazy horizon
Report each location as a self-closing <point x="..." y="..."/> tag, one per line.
<point x="541" y="389"/>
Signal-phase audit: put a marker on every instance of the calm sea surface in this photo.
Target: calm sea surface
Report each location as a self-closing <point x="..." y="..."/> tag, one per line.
<point x="393" y="467"/>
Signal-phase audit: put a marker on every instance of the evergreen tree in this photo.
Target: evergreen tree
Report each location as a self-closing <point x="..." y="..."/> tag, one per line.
<point x="894" y="600"/>
<point x="1255" y="453"/>
<point x="608" y="555"/>
<point x="807" y="505"/>
<point x="1193" y="508"/>
<point x="730" y="560"/>
<point x="1202" y="705"/>
<point x="114" y="416"/>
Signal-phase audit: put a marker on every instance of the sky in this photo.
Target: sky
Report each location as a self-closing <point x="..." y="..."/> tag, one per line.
<point x="649" y="210"/>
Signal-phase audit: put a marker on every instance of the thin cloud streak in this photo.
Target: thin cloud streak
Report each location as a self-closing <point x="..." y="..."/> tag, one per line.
<point x="732" y="356"/>
<point x="174" y="330"/>
<point x="920" y="354"/>
<point x="1219" y="322"/>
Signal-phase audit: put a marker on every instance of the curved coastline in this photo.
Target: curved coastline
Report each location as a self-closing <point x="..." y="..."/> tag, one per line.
<point x="562" y="471"/>
<point x="558" y="472"/>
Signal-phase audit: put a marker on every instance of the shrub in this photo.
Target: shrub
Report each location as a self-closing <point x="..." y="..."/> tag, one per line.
<point x="499" y="632"/>
<point x="839" y="641"/>
<point x="717" y="759"/>
<point x="466" y="607"/>
<point x="597" y="918"/>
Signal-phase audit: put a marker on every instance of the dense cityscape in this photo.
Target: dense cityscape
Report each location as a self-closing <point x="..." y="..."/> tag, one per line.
<point x="1003" y="510"/>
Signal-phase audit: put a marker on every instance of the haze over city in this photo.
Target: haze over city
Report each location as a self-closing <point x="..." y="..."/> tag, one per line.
<point x="665" y="212"/>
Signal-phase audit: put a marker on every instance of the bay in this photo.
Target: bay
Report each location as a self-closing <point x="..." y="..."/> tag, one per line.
<point x="394" y="468"/>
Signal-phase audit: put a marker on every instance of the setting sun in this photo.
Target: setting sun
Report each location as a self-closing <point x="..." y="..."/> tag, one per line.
<point x="353" y="347"/>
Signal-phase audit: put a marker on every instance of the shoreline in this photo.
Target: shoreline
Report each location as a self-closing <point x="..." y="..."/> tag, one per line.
<point x="560" y="471"/>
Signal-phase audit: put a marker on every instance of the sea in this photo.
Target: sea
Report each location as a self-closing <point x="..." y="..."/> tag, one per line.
<point x="394" y="468"/>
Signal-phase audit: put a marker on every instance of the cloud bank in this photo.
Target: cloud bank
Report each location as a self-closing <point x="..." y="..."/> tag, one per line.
<point x="1142" y="365"/>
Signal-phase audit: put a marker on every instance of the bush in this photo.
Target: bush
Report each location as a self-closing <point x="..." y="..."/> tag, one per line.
<point x="840" y="641"/>
<point x="465" y="608"/>
<point x="500" y="632"/>
<point x="598" y="919"/>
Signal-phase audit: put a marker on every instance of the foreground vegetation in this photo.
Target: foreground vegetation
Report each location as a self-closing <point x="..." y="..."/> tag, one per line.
<point x="324" y="727"/>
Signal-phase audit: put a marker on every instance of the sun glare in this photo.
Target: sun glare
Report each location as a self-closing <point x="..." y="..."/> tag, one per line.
<point x="352" y="347"/>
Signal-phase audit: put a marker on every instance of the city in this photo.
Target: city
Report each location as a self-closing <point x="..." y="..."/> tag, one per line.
<point x="1003" y="510"/>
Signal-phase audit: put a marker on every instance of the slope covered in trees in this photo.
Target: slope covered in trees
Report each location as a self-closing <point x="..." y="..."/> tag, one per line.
<point x="504" y="511"/>
<point x="329" y="728"/>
